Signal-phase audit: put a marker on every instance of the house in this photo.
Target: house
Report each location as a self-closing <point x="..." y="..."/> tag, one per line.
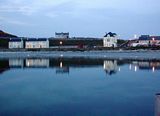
<point x="144" y="40"/>
<point x="36" y="43"/>
<point x="149" y="40"/>
<point x="110" y="40"/>
<point x="61" y="35"/>
<point x="15" y="43"/>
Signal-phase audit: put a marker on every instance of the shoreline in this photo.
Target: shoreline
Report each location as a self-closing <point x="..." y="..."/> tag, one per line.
<point x="114" y="54"/>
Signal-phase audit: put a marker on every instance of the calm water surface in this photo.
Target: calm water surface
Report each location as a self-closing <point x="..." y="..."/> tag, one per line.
<point x="79" y="87"/>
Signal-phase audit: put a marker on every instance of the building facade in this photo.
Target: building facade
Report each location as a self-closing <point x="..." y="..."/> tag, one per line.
<point x="15" y="43"/>
<point x="37" y="43"/>
<point x="110" y="40"/>
<point x="61" y="35"/>
<point x="149" y="40"/>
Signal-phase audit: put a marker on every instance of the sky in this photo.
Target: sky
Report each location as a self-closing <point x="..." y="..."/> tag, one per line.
<point x="82" y="18"/>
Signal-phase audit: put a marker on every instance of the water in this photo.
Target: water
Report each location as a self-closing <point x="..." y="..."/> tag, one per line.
<point x="79" y="87"/>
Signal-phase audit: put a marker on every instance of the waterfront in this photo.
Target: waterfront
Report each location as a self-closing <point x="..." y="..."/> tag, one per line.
<point x="79" y="86"/>
<point x="116" y="54"/>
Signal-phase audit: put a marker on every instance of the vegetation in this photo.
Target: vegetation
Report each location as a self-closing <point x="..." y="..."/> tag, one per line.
<point x="4" y="43"/>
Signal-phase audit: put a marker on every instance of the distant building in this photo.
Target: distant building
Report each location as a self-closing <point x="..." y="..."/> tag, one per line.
<point x="15" y="43"/>
<point x="149" y="40"/>
<point x="110" y="40"/>
<point x="37" y="43"/>
<point x="61" y="35"/>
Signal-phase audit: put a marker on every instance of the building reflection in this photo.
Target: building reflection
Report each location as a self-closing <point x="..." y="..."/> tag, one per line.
<point x="145" y="65"/>
<point x="110" y="67"/>
<point x="62" y="65"/>
<point x="16" y="63"/>
<point x="37" y="63"/>
<point x="157" y="105"/>
<point x="4" y="66"/>
<point x="62" y="69"/>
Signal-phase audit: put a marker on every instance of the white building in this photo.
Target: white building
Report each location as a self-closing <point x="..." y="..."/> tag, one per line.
<point x="37" y="43"/>
<point x="62" y="35"/>
<point x="147" y="40"/>
<point x="15" y="43"/>
<point x="110" y="40"/>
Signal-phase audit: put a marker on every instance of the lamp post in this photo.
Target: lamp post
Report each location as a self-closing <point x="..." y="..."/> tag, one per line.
<point x="60" y="43"/>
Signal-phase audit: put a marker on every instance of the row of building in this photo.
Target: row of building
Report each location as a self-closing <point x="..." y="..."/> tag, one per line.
<point x="28" y="43"/>
<point x="146" y="40"/>
<point x="34" y="42"/>
<point x="62" y="39"/>
<point x="109" y="40"/>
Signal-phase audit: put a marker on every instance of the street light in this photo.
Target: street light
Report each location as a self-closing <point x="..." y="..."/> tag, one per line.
<point x="60" y="42"/>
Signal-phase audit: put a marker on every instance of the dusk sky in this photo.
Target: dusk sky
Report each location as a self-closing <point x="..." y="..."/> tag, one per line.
<point x="87" y="18"/>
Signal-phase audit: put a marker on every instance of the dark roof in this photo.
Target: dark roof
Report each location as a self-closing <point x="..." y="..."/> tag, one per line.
<point x="144" y="37"/>
<point x="62" y="33"/>
<point x="147" y="37"/>
<point x="155" y="37"/>
<point x="36" y="39"/>
<point x="110" y="34"/>
<point x="15" y="39"/>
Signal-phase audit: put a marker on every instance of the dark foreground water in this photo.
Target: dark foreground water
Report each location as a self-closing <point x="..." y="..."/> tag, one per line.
<point x="79" y="87"/>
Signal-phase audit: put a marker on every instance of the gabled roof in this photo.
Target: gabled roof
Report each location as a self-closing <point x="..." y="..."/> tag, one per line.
<point x="62" y="33"/>
<point x="36" y="39"/>
<point x="147" y="37"/>
<point x="110" y="34"/>
<point x="155" y="37"/>
<point x="15" y="39"/>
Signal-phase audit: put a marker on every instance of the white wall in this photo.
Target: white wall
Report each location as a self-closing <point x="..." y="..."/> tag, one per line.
<point x="37" y="44"/>
<point x="14" y="44"/>
<point x="110" y="41"/>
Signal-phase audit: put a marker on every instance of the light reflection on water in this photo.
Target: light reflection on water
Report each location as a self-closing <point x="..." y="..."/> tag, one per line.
<point x="79" y="86"/>
<point x="110" y="65"/>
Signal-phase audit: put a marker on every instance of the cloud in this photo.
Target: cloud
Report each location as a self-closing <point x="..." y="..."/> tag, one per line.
<point x="12" y="21"/>
<point x="81" y="16"/>
<point x="29" y="7"/>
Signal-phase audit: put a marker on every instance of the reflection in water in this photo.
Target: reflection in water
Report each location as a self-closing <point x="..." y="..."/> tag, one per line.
<point x="130" y="67"/>
<point x="40" y="87"/>
<point x="62" y="69"/>
<point x="15" y="63"/>
<point x="153" y="69"/>
<point x="135" y="68"/>
<point x="37" y="63"/>
<point x="157" y="105"/>
<point x="145" y="65"/>
<point x="110" y="66"/>
<point x="4" y="66"/>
